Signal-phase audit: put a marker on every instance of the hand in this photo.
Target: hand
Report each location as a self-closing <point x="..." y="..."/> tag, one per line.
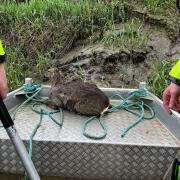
<point x="171" y="98"/>
<point x="3" y="82"/>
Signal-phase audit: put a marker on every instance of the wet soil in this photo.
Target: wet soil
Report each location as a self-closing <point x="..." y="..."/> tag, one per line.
<point x="117" y="67"/>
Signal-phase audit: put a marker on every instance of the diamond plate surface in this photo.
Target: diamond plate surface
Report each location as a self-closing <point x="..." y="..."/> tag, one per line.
<point x="145" y="153"/>
<point x="93" y="161"/>
<point x="148" y="132"/>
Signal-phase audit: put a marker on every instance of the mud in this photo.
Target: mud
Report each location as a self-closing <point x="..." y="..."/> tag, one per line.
<point x="116" y="67"/>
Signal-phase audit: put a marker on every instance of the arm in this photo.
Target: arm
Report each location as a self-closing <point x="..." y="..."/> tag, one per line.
<point x="3" y="79"/>
<point x="171" y="95"/>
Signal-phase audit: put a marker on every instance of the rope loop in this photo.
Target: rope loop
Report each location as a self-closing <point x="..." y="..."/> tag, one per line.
<point x="92" y="136"/>
<point x="49" y="113"/>
<point x="137" y="108"/>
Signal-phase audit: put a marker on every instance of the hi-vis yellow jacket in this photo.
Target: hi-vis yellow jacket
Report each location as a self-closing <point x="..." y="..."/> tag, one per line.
<point x="2" y="53"/>
<point x="174" y="74"/>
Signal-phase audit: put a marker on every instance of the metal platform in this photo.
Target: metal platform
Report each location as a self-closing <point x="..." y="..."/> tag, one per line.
<point x="145" y="152"/>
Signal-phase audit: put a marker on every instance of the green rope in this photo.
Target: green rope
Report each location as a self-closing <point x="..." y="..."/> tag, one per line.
<point x="25" y="102"/>
<point x="31" y="139"/>
<point x="34" y="97"/>
<point x="35" y="89"/>
<point x="128" y="106"/>
<point x="87" y="121"/>
<point x="49" y="113"/>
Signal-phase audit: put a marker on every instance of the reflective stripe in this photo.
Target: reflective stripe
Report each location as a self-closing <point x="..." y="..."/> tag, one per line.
<point x="2" y="53"/>
<point x="175" y="71"/>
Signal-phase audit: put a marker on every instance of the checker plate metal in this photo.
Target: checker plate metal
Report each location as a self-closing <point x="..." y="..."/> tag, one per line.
<point x="144" y="153"/>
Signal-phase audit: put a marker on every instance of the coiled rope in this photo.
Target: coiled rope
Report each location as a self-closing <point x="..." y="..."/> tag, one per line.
<point x="124" y="104"/>
<point x="34" y="90"/>
<point x="128" y="106"/>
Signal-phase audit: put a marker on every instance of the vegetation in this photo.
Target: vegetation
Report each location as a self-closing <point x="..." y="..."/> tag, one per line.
<point x="160" y="6"/>
<point x="129" y="37"/>
<point x="158" y="79"/>
<point x="46" y="29"/>
<point x="39" y="31"/>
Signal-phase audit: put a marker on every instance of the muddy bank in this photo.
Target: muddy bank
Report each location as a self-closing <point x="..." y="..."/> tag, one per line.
<point x="117" y="67"/>
<point x="104" y="66"/>
<point x="111" y="66"/>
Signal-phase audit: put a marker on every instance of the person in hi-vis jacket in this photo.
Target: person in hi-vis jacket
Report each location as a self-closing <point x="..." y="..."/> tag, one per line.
<point x="3" y="79"/>
<point x="171" y="95"/>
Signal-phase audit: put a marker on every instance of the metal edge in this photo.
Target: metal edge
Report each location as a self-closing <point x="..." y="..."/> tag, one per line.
<point x="11" y="100"/>
<point x="157" y="104"/>
<point x="171" y="122"/>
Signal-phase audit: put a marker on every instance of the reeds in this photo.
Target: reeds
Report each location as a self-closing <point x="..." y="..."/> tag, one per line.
<point x="158" y="79"/>
<point x="129" y="36"/>
<point x="38" y="31"/>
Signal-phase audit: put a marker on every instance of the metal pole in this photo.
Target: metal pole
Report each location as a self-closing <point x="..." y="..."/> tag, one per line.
<point x="178" y="5"/>
<point x="17" y="142"/>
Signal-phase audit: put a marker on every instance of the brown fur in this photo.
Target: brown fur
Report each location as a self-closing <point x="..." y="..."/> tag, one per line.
<point x="84" y="98"/>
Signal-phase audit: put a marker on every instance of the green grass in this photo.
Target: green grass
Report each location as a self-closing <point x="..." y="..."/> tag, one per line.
<point x="129" y="36"/>
<point x="164" y="7"/>
<point x="18" y="67"/>
<point x="37" y="33"/>
<point x="43" y="30"/>
<point x="158" y="79"/>
<point x="15" y="67"/>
